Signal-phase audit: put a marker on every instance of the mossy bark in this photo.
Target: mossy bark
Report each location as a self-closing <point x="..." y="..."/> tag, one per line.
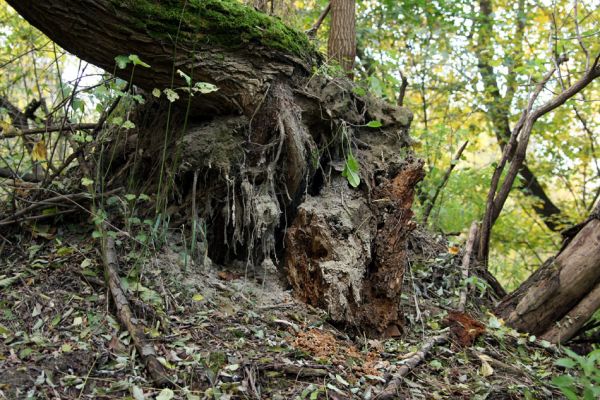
<point x="237" y="48"/>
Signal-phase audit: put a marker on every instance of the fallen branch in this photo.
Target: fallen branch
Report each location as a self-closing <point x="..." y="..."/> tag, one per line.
<point x="391" y="389"/>
<point x="570" y="324"/>
<point x="299" y="371"/>
<point x="59" y="200"/>
<point x="439" y="188"/>
<point x="136" y="331"/>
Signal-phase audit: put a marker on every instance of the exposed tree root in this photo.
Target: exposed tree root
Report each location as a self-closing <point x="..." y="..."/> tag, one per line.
<point x="136" y="331"/>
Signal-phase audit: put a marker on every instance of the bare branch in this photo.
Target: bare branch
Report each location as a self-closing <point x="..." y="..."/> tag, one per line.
<point x="312" y="32"/>
<point x="579" y="39"/>
<point x="47" y="129"/>
<point x="496" y="200"/>
<point x="443" y="182"/>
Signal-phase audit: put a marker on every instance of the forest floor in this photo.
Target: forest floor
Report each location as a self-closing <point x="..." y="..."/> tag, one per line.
<point x="237" y="333"/>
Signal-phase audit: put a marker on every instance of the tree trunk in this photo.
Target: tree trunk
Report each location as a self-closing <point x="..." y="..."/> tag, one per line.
<point x="342" y="35"/>
<point x="266" y="150"/>
<point x="563" y="294"/>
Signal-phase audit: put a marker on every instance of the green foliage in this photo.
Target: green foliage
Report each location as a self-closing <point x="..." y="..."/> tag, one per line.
<point x="584" y="380"/>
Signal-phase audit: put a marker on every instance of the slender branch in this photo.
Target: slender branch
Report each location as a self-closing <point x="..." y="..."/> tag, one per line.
<point x="54" y="128"/>
<point x="402" y="91"/>
<point x="579" y="38"/>
<point x="496" y="200"/>
<point x="312" y="32"/>
<point x="453" y="163"/>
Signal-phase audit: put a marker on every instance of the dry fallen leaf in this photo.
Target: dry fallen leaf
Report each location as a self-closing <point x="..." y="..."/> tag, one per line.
<point x="453" y="250"/>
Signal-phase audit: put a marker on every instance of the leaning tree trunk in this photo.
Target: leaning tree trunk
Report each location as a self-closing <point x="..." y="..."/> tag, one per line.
<point x="266" y="150"/>
<point x="560" y="297"/>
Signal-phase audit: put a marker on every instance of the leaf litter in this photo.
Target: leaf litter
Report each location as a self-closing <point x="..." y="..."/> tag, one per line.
<point x="236" y="332"/>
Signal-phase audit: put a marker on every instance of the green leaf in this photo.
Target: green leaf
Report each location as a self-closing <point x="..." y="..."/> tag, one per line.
<point x="165" y="394"/>
<point x="204" y="87"/>
<point x="122" y="61"/>
<point x="187" y="78"/>
<point x="374" y="124"/>
<point x="78" y="104"/>
<point x="565" y="362"/>
<point x="171" y="95"/>
<point x="359" y="91"/>
<point x="563" y="381"/>
<point x="136" y="61"/>
<point x="352" y="163"/>
<point x="86" y="181"/>
<point x="128" y="125"/>
<point x="352" y="177"/>
<point x="197" y="297"/>
<point x="156" y="92"/>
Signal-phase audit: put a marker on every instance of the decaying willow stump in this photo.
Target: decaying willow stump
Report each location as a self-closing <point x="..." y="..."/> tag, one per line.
<point x="346" y="252"/>
<point x="266" y="150"/>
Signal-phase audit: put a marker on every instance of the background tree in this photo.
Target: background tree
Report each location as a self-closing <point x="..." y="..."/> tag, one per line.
<point x="341" y="45"/>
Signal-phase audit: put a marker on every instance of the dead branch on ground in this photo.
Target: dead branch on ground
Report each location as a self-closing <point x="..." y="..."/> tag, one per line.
<point x="136" y="331"/>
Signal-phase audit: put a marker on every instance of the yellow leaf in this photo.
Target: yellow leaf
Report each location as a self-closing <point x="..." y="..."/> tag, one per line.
<point x="7" y="128"/>
<point x="486" y="369"/>
<point x="198" y="297"/>
<point x="39" y="151"/>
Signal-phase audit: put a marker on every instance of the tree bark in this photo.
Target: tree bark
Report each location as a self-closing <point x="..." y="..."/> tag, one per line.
<point x="342" y="35"/>
<point x="563" y="290"/>
<point x="237" y="48"/>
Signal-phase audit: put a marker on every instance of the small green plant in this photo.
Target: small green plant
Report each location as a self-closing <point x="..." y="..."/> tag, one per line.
<point x="351" y="166"/>
<point x="586" y="383"/>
